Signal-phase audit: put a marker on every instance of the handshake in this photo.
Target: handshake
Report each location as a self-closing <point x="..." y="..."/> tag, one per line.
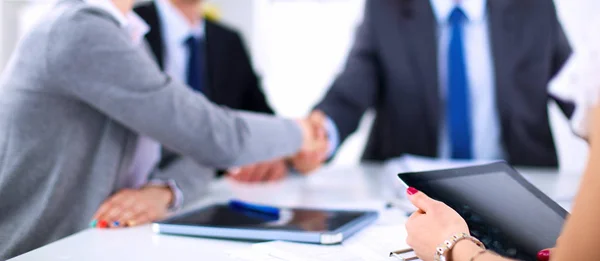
<point x="312" y="154"/>
<point x="315" y="146"/>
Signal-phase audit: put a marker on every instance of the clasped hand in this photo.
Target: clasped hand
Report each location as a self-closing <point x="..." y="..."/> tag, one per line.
<point x="313" y="153"/>
<point x="316" y="145"/>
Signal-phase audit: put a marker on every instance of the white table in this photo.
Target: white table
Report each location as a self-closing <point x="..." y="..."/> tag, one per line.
<point x="364" y="186"/>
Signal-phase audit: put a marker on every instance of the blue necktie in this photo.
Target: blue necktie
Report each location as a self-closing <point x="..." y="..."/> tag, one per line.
<point x="458" y="107"/>
<point x="195" y="63"/>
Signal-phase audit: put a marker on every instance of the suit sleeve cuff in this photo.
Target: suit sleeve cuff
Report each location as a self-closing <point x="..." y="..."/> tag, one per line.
<point x="177" y="194"/>
<point x="333" y="137"/>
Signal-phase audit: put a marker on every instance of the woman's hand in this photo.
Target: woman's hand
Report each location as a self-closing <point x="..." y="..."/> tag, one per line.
<point x="431" y="225"/>
<point x="132" y="207"/>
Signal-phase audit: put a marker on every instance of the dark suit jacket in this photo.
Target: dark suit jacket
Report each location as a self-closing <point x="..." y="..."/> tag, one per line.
<point x="229" y="81"/>
<point x="393" y="68"/>
<point x="229" y="77"/>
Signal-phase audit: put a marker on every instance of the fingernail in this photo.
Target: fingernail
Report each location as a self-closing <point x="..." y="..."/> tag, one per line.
<point x="102" y="224"/>
<point x="234" y="171"/>
<point x="411" y="191"/>
<point x="116" y="224"/>
<point x="93" y="223"/>
<point x="543" y="255"/>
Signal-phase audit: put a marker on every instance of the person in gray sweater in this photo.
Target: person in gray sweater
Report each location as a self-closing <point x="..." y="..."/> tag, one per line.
<point x="78" y="98"/>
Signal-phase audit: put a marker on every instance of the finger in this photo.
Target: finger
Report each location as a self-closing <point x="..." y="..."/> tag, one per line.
<point x="100" y="212"/>
<point x="274" y="173"/>
<point x="420" y="200"/>
<point x="238" y="175"/>
<point x="134" y="215"/>
<point x="317" y="117"/>
<point x="113" y="215"/>
<point x="125" y="214"/>
<point x="141" y="219"/>
<point x="106" y="206"/>
<point x="544" y="255"/>
<point x="234" y="171"/>
<point x="279" y="172"/>
<point x="111" y="202"/>
<point x="107" y="210"/>
<point x="261" y="173"/>
<point x="245" y="174"/>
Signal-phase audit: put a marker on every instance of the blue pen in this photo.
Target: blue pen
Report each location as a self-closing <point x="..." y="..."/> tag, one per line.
<point x="236" y="204"/>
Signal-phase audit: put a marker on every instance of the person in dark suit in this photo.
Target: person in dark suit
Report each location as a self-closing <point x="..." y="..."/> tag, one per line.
<point x="222" y="69"/>
<point x="451" y="79"/>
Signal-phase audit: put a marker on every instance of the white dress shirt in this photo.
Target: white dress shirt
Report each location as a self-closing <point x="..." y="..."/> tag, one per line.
<point x="175" y="31"/>
<point x="487" y="142"/>
<point x="581" y="78"/>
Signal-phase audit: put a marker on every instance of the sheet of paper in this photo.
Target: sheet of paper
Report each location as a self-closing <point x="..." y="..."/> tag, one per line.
<point x="249" y="254"/>
<point x="372" y="244"/>
<point x="375" y="243"/>
<point x="305" y="252"/>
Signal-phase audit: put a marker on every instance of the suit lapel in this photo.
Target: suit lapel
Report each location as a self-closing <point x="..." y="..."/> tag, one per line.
<point x="211" y="68"/>
<point x="154" y="36"/>
<point x="416" y="16"/>
<point x="506" y="30"/>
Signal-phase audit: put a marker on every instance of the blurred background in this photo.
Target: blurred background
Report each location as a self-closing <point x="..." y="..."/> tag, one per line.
<point x="298" y="46"/>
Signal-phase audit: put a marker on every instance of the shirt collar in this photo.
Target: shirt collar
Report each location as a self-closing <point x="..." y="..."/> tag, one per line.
<point x="175" y="25"/>
<point x="474" y="9"/>
<point x="135" y="25"/>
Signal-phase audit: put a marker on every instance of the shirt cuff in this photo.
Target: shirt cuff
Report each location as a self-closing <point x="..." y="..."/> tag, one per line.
<point x="178" y="195"/>
<point x="333" y="137"/>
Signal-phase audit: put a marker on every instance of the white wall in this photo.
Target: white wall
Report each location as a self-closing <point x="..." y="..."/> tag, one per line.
<point x="2" y="38"/>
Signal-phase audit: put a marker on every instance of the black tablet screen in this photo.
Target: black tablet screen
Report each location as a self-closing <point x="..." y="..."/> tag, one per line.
<point x="509" y="215"/>
<point x="294" y="220"/>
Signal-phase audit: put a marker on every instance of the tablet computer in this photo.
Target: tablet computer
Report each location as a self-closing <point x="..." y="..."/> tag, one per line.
<point x="227" y="221"/>
<point x="502" y="209"/>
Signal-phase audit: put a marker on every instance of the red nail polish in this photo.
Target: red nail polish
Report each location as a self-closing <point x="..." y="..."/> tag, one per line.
<point x="102" y="224"/>
<point x="412" y="191"/>
<point x="543" y="255"/>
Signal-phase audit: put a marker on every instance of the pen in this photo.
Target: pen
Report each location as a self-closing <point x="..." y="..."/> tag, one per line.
<point x="397" y="254"/>
<point x="237" y="204"/>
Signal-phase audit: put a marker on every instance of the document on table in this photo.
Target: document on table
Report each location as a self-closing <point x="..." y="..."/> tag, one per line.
<point x="372" y="244"/>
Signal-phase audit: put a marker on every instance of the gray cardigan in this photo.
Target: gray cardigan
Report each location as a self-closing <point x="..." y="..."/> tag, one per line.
<point x="73" y="100"/>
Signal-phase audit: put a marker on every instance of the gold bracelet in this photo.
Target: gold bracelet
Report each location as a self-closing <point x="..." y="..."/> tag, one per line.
<point x="478" y="254"/>
<point x="445" y="247"/>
